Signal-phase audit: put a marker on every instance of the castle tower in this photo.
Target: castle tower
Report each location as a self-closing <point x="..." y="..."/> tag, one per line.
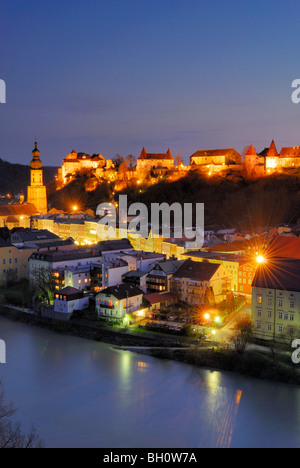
<point x="36" y="192"/>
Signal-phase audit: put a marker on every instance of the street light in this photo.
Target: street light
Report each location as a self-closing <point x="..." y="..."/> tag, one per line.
<point x="260" y="259"/>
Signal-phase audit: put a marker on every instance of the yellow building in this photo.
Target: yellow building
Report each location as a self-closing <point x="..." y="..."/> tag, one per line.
<point x="14" y="264"/>
<point x="36" y="192"/>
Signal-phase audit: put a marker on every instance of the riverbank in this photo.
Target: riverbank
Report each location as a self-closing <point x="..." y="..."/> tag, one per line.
<point x="93" y="331"/>
<point x="256" y="364"/>
<point x="251" y="363"/>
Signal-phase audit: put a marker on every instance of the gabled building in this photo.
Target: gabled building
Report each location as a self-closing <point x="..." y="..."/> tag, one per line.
<point x="148" y="162"/>
<point x="201" y="283"/>
<point x="118" y="301"/>
<point x="217" y="160"/>
<point x="67" y="300"/>
<point x="158" y="279"/>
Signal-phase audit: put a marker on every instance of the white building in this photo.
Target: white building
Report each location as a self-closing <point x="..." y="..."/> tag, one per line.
<point x="67" y="300"/>
<point x="118" y="301"/>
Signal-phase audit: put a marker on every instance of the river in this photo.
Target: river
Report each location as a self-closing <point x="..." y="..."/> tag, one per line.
<point x="80" y="393"/>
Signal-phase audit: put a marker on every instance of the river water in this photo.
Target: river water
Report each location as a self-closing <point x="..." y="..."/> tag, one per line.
<point x="79" y="393"/>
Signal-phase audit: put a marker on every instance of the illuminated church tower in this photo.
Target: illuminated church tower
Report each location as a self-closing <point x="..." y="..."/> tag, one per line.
<point x="36" y="192"/>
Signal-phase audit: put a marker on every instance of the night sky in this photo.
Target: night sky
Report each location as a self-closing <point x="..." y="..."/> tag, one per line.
<point x="112" y="76"/>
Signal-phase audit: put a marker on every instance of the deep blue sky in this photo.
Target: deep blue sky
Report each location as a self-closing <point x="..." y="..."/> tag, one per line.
<point x="112" y="76"/>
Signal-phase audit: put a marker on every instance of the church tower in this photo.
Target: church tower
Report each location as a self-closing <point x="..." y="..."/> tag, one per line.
<point x="36" y="192"/>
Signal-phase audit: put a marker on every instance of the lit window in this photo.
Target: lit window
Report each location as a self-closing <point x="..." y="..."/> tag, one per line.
<point x="259" y="299"/>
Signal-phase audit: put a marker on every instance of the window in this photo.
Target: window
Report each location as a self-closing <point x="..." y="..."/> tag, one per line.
<point x="280" y="328"/>
<point x="259" y="299"/>
<point x="291" y="317"/>
<point x="292" y="304"/>
<point x="258" y="325"/>
<point x="270" y="301"/>
<point x="269" y="326"/>
<point x="269" y="313"/>
<point x="286" y="316"/>
<point x="4" y="261"/>
<point x="280" y="302"/>
<point x="280" y="315"/>
<point x="259" y="312"/>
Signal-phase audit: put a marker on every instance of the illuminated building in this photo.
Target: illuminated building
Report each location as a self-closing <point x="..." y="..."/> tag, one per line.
<point x="211" y="161"/>
<point x="117" y="301"/>
<point x="75" y="163"/>
<point x="270" y="161"/>
<point x="276" y="299"/>
<point x="36" y="192"/>
<point x="148" y="162"/>
<point x="201" y="283"/>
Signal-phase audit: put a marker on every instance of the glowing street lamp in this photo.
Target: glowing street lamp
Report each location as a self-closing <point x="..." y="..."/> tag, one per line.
<point x="206" y="316"/>
<point x="260" y="259"/>
<point x="217" y="319"/>
<point x="75" y="208"/>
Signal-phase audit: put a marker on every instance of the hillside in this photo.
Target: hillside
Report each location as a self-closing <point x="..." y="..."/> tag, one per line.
<point x="231" y="201"/>
<point x="15" y="178"/>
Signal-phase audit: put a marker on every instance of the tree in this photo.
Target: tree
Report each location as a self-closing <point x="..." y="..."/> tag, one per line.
<point x="11" y="435"/>
<point x="43" y="282"/>
<point x="242" y="334"/>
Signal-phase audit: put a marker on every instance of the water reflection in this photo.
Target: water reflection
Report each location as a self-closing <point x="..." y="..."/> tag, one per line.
<point x="80" y="393"/>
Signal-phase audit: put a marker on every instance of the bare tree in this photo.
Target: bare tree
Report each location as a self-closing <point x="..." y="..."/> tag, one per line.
<point x="43" y="282"/>
<point x="242" y="334"/>
<point x="11" y="435"/>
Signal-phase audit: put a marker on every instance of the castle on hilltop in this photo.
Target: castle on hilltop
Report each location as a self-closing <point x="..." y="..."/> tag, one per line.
<point x="152" y="167"/>
<point x="269" y="161"/>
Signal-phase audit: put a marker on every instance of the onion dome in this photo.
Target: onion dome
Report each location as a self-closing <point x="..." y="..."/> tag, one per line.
<point x="36" y="163"/>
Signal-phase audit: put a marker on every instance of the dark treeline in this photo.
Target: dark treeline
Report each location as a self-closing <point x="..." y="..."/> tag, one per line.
<point x="231" y="201"/>
<point x="14" y="178"/>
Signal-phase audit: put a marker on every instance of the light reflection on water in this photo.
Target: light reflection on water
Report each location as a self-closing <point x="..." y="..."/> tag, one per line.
<point x="87" y="394"/>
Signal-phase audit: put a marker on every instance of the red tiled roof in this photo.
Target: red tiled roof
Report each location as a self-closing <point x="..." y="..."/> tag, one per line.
<point x="287" y="247"/>
<point x="272" y="150"/>
<point x="145" y="155"/>
<point x="251" y="151"/>
<point x="18" y="210"/>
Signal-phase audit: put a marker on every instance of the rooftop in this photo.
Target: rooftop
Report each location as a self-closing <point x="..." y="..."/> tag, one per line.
<point x="123" y="291"/>
<point x="278" y="273"/>
<point x="197" y="271"/>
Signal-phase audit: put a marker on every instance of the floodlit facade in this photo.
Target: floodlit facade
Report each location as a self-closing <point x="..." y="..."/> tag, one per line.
<point x="36" y="192"/>
<point x="276" y="300"/>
